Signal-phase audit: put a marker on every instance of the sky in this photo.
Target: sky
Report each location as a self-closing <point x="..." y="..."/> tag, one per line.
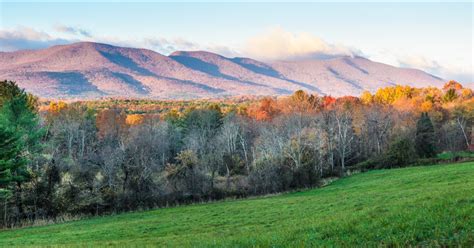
<point x="433" y="36"/>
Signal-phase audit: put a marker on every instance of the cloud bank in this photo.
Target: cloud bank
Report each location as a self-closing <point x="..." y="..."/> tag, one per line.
<point x="27" y="38"/>
<point x="434" y="67"/>
<point x="279" y="44"/>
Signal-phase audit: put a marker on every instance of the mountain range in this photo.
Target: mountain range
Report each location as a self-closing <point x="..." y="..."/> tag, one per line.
<point x="88" y="70"/>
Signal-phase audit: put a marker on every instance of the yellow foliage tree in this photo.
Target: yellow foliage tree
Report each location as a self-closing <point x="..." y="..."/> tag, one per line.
<point x="366" y="98"/>
<point x="134" y="119"/>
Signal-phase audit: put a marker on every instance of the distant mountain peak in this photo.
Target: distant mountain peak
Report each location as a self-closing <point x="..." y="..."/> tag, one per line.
<point x="92" y="70"/>
<point x="194" y="53"/>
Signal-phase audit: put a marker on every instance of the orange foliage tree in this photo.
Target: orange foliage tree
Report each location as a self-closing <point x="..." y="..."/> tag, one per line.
<point x="111" y="122"/>
<point x="265" y="110"/>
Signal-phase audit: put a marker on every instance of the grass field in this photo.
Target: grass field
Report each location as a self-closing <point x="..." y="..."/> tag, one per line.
<point x="422" y="206"/>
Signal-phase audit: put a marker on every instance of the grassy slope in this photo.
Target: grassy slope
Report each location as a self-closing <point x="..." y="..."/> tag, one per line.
<point x="411" y="206"/>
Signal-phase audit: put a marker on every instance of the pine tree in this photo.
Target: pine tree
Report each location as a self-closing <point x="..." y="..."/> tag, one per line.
<point x="10" y="90"/>
<point x="425" y="137"/>
<point x="10" y="158"/>
<point x="20" y="133"/>
<point x="18" y="114"/>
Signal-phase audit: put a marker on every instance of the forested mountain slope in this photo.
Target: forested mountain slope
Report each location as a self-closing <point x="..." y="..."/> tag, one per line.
<point x="94" y="70"/>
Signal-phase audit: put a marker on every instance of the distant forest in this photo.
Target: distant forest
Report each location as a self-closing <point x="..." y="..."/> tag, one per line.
<point x="60" y="160"/>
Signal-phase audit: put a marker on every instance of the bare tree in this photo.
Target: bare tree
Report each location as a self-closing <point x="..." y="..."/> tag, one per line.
<point x="376" y="127"/>
<point x="344" y="135"/>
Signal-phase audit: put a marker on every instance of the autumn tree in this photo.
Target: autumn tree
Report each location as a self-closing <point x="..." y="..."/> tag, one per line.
<point x="300" y="102"/>
<point x="366" y="98"/>
<point x="450" y="95"/>
<point x="265" y="110"/>
<point x="389" y="95"/>
<point x="111" y="122"/>
<point x="452" y="85"/>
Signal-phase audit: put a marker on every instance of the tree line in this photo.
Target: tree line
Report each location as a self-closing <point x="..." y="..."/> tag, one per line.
<point x="75" y="160"/>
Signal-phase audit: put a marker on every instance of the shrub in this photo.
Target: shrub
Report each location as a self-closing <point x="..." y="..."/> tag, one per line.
<point x="400" y="153"/>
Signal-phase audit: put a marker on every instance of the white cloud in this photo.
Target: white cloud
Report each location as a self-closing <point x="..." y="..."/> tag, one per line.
<point x="279" y="44"/>
<point x="434" y="67"/>
<point x="72" y="30"/>
<point x="27" y="38"/>
<point x="419" y="62"/>
<point x="223" y="50"/>
<point x="443" y="69"/>
<point x="167" y="46"/>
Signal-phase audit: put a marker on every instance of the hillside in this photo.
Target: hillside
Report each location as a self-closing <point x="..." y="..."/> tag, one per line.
<point x="417" y="206"/>
<point x="94" y="70"/>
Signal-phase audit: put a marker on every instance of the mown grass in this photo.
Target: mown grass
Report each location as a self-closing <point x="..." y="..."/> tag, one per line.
<point x="417" y="206"/>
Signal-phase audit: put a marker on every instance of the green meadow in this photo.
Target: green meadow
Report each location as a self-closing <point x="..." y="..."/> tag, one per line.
<point x="415" y="206"/>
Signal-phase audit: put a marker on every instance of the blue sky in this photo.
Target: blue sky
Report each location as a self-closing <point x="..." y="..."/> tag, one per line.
<point x="436" y="37"/>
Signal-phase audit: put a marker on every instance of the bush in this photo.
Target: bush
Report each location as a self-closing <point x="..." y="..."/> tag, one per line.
<point x="270" y="176"/>
<point x="366" y="165"/>
<point x="401" y="153"/>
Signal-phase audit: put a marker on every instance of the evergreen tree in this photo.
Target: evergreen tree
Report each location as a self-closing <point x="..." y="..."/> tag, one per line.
<point x="10" y="90"/>
<point x="401" y="153"/>
<point x="19" y="142"/>
<point x="18" y="114"/>
<point x="425" y="137"/>
<point x="10" y="158"/>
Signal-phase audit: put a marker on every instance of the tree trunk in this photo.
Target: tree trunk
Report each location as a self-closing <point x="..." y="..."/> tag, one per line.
<point x="213" y="173"/>
<point x="19" y="202"/>
<point x="228" y="177"/>
<point x="83" y="143"/>
<point x="5" y="211"/>
<point x="463" y="131"/>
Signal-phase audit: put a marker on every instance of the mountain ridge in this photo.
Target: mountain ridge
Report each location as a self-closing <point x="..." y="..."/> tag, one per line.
<point x="94" y="70"/>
